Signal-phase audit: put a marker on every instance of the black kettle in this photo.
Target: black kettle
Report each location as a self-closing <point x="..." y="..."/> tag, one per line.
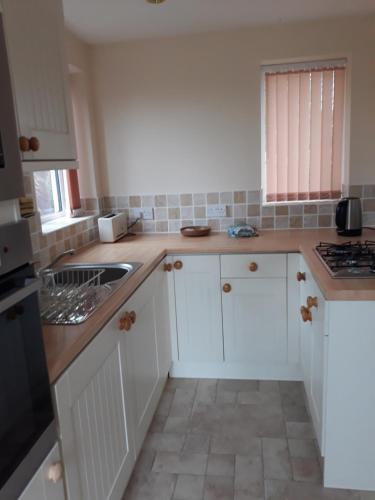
<point x="349" y="217"/>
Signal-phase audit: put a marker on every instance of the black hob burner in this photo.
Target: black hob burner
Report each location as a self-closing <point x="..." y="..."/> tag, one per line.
<point x="349" y="259"/>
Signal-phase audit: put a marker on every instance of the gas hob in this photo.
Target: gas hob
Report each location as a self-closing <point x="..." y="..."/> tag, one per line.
<point x="349" y="259"/>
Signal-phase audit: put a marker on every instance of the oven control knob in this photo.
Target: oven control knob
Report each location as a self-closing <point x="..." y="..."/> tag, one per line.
<point x="55" y="472"/>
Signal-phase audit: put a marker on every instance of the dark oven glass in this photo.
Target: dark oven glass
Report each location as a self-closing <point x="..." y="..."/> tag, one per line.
<point x="25" y="399"/>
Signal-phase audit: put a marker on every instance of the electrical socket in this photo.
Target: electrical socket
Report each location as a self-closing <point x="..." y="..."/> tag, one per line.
<point x="144" y="213"/>
<point x="214" y="211"/>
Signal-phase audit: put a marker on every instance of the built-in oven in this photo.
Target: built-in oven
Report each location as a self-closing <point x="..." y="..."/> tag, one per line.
<point x="10" y="160"/>
<point x="27" y="427"/>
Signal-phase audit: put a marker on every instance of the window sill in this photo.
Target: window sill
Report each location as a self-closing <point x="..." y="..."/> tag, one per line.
<point x="300" y="202"/>
<point x="63" y="222"/>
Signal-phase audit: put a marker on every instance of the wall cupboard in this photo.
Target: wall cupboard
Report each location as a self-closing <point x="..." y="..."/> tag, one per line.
<point x="34" y="35"/>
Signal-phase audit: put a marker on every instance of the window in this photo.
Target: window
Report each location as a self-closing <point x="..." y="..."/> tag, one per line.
<point x="57" y="193"/>
<point x="51" y="193"/>
<point x="303" y="119"/>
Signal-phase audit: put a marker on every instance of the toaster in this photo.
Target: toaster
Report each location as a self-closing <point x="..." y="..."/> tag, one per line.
<point x="112" y="227"/>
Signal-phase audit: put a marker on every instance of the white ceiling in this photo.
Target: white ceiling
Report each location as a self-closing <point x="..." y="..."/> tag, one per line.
<point x="106" y="21"/>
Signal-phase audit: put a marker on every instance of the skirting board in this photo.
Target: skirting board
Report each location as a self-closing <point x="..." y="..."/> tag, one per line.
<point x="236" y="371"/>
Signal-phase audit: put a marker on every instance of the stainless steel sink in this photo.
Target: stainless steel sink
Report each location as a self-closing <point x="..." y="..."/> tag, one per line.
<point x="71" y="293"/>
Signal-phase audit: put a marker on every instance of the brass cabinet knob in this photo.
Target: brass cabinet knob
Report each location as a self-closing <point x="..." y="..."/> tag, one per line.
<point x="133" y="317"/>
<point x="178" y="265"/>
<point x="253" y="267"/>
<point x="34" y="144"/>
<point x="24" y="144"/>
<point x="227" y="288"/>
<point x="312" y="302"/>
<point x="306" y="314"/>
<point x="168" y="267"/>
<point x="55" y="472"/>
<point x="125" y="322"/>
<point x="301" y="276"/>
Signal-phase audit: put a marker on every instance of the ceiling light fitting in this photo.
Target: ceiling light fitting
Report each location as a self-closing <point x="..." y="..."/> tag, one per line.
<point x="155" y="2"/>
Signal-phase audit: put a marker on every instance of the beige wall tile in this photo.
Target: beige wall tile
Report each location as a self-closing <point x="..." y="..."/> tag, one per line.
<point x="212" y="198"/>
<point x="369" y="205"/>
<point x="199" y="198"/>
<point x="253" y="210"/>
<point x="226" y="198"/>
<point x="310" y="209"/>
<point x="310" y="221"/>
<point x="295" y="221"/>
<point x="148" y="200"/>
<point x="135" y="201"/>
<point x="199" y="212"/>
<point x="239" y="197"/>
<point x="186" y="199"/>
<point x="173" y="200"/>
<point x="324" y="220"/>
<point x="161" y="226"/>
<point x="160" y="200"/>
<point x="282" y="210"/>
<point x="268" y="222"/>
<point x="173" y="213"/>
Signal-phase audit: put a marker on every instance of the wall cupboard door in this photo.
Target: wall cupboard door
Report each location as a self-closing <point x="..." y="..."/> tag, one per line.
<point x="198" y="308"/>
<point x="93" y="406"/>
<point x="255" y="320"/>
<point x="43" y="488"/>
<point x="147" y="353"/>
<point x="34" y="33"/>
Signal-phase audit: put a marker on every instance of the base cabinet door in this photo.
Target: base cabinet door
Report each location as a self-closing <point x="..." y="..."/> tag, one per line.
<point x="254" y="320"/>
<point x="198" y="308"/>
<point x="42" y="487"/>
<point x="93" y="412"/>
<point x="147" y="353"/>
<point x="313" y="348"/>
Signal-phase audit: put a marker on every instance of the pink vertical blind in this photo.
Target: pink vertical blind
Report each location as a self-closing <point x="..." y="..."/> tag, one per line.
<point x="304" y="132"/>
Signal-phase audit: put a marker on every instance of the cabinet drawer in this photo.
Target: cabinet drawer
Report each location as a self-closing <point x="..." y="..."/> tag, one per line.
<point x="253" y="266"/>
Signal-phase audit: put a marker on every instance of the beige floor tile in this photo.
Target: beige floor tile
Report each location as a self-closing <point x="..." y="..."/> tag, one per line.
<point x="164" y="441"/>
<point x="236" y="445"/>
<point x="155" y="487"/>
<point x="220" y="465"/>
<point x="306" y="469"/>
<point x="182" y="383"/>
<point x="260" y="398"/>
<point x="300" y="430"/>
<point x="292" y="490"/>
<point x="248" y="472"/>
<point x="269" y="386"/>
<point x="177" y="425"/>
<point x="254" y="491"/>
<point x="302" y="448"/>
<point x="189" y="487"/>
<point x="295" y="413"/>
<point x="218" y="488"/>
<point x="227" y="397"/>
<point x="276" y="459"/>
<point x="180" y="463"/>
<point x="197" y="443"/>
<point x="206" y="391"/>
<point x="238" y="385"/>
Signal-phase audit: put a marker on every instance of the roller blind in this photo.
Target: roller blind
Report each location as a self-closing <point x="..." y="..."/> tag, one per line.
<point x="304" y="128"/>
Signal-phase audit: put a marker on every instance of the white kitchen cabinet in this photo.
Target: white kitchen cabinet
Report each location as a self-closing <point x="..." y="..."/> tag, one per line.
<point x="148" y="355"/>
<point x="93" y="405"/>
<point x="313" y="351"/>
<point x="42" y="486"/>
<point x="34" y="35"/>
<point x="198" y="308"/>
<point x="254" y="320"/>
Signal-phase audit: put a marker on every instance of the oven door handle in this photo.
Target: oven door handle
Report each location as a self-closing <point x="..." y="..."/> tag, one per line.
<point x="18" y="296"/>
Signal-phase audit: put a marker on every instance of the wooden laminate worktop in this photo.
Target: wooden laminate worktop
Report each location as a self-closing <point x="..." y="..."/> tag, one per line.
<point x="64" y="343"/>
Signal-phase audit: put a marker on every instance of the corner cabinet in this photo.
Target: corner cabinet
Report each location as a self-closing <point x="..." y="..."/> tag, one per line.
<point x="34" y="36"/>
<point x="106" y="399"/>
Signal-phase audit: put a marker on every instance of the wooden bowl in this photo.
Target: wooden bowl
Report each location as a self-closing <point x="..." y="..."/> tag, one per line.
<point x="195" y="230"/>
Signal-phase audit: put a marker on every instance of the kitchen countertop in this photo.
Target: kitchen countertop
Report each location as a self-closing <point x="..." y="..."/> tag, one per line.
<point x="64" y="343"/>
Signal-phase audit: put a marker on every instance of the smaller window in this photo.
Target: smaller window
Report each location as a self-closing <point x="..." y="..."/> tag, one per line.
<point x="51" y="191"/>
<point x="303" y="128"/>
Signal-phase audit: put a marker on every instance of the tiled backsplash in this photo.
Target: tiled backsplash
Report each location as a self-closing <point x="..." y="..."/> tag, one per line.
<point x="173" y="211"/>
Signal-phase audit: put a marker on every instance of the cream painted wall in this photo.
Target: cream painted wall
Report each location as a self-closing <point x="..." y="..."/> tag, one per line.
<point x="183" y="114"/>
<point x="79" y="60"/>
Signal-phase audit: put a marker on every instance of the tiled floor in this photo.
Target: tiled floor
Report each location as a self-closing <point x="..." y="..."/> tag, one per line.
<point x="231" y="440"/>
